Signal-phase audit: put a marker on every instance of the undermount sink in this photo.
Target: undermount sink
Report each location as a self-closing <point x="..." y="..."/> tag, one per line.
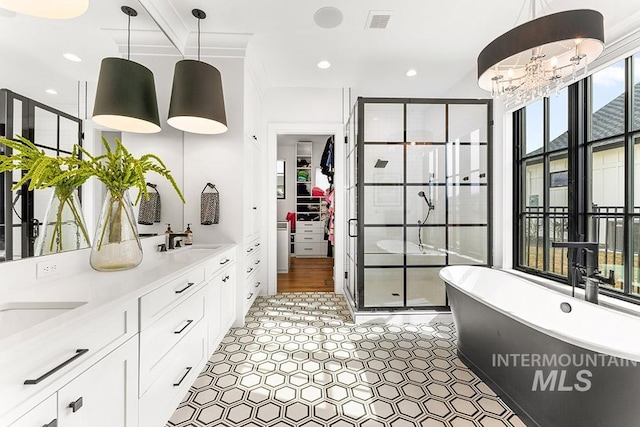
<point x="16" y="316"/>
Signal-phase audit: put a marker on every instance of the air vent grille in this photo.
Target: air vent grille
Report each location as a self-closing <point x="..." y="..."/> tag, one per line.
<point x="378" y="19"/>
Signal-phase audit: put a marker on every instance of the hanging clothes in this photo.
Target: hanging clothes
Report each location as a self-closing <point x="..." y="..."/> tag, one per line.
<point x="329" y="225"/>
<point x="326" y="161"/>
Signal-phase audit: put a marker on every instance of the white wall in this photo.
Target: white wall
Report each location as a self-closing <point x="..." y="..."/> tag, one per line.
<point x="302" y="105"/>
<point x="287" y="152"/>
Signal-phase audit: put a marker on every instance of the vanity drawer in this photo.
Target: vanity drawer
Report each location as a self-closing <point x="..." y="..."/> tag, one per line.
<point x="41" y="366"/>
<point x="252" y="263"/>
<point x="154" y="304"/>
<point x="251" y="291"/>
<point x="159" y="338"/>
<point x="311" y="249"/>
<point x="174" y="374"/>
<point x="221" y="261"/>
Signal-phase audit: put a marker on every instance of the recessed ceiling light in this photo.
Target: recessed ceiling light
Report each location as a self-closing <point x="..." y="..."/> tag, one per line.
<point x="72" y="57"/>
<point x="51" y="91"/>
<point x="324" y="64"/>
<point x="411" y="73"/>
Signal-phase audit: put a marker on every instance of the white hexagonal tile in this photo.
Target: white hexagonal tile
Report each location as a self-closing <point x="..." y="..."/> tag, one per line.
<point x="346" y="378"/>
<point x="437" y="407"/>
<point x="380" y="408"/>
<point x="210" y="414"/>
<point x="250" y="380"/>
<point x="464" y="406"/>
<point x="285" y="394"/>
<point x="298" y="378"/>
<point x="325" y="411"/>
<point x="182" y="414"/>
<point x="337" y="393"/>
<point x="259" y="395"/>
<point x="387" y="391"/>
<point x="266" y="367"/>
<point x="268" y="412"/>
<point x="311" y="393"/>
<point x="288" y="367"/>
<point x="353" y="409"/>
<point x="240" y="413"/>
<point x="393" y="377"/>
<point x="409" y="408"/>
<point x="413" y="391"/>
<point x="362" y="392"/>
<point x="296" y="411"/>
<point x="227" y="380"/>
<point x="232" y="396"/>
<point x="311" y="366"/>
<point x="274" y="380"/>
<point x="203" y="397"/>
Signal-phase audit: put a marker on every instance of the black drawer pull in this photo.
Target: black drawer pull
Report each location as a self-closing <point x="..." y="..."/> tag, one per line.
<point x="257" y="284"/>
<point x="225" y="261"/>
<point x="53" y="423"/>
<point x="308" y="249"/>
<point x="75" y="406"/>
<point x="249" y="250"/>
<point x="225" y="279"/>
<point x="257" y="244"/>
<point x="183" y="328"/>
<point x="79" y="352"/>
<point x="308" y="238"/>
<point x="249" y="270"/>
<point x="257" y="262"/>
<point x="190" y="284"/>
<point x="183" y="377"/>
<point x="250" y="295"/>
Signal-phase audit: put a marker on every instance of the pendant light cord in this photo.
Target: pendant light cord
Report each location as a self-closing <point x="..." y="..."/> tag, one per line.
<point x="199" y="38"/>
<point x="129" y="39"/>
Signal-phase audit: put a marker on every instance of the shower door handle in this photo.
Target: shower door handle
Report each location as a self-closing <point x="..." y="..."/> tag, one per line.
<point x="349" y="227"/>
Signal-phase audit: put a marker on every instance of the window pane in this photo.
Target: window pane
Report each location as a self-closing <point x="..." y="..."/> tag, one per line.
<point x="558" y="232"/>
<point x="531" y="249"/>
<point x="558" y="182"/>
<point x="68" y="134"/>
<point x="383" y="122"/>
<point x="467" y="123"/>
<point x="467" y="204"/>
<point x="635" y="285"/>
<point x="534" y="128"/>
<point x="636" y="91"/>
<point x="46" y="131"/>
<point x="607" y="102"/>
<point x="383" y="204"/>
<point x="425" y="123"/>
<point x="559" y="120"/>
<point x="534" y="185"/>
<point x="607" y="177"/>
<point x="467" y="163"/>
<point x="636" y="174"/>
<point x="418" y="208"/>
<point x="609" y="234"/>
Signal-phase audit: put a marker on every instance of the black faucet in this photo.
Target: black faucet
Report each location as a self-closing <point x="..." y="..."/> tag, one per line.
<point x="587" y="274"/>
<point x="171" y="242"/>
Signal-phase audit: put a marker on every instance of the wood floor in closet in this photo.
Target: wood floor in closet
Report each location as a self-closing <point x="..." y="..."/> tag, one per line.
<point x="307" y="275"/>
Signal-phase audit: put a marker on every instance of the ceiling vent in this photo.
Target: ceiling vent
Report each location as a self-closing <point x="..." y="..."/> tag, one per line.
<point x="378" y="19"/>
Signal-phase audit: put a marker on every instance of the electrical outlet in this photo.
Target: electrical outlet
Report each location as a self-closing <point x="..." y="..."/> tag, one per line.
<point x="46" y="268"/>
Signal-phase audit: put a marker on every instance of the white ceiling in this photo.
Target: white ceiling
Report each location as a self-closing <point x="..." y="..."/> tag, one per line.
<point x="440" y="39"/>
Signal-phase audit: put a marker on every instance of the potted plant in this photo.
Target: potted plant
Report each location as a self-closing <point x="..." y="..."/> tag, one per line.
<point x="116" y="245"/>
<point x="63" y="227"/>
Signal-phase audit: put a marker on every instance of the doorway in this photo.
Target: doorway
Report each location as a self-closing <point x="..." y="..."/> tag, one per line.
<point x="305" y="208"/>
<point x="295" y="152"/>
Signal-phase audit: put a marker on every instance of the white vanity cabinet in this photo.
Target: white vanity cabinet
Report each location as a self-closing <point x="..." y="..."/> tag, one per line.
<point x="253" y="257"/>
<point x="102" y="396"/>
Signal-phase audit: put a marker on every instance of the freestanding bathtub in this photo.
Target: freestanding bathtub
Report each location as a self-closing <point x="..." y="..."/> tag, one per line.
<point x="557" y="361"/>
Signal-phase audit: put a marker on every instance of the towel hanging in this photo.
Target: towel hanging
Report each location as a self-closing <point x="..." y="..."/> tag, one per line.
<point x="149" y="211"/>
<point x="210" y="205"/>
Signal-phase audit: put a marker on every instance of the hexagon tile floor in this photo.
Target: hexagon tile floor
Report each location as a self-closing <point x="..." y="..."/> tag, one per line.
<point x="300" y="361"/>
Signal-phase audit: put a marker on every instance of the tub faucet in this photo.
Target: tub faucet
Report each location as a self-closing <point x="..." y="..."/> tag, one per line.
<point x="587" y="274"/>
<point x="171" y="240"/>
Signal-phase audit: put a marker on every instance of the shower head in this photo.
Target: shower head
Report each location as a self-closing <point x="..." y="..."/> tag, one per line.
<point x="421" y="194"/>
<point x="381" y="164"/>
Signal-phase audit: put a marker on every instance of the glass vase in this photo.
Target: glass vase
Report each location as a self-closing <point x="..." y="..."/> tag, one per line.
<point x="63" y="228"/>
<point x="116" y="245"/>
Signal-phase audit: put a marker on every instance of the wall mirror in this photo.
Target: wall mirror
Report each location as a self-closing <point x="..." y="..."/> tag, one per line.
<point x="53" y="75"/>
<point x="280" y="179"/>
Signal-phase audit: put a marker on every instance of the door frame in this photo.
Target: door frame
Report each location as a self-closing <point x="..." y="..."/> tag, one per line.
<point x="275" y="129"/>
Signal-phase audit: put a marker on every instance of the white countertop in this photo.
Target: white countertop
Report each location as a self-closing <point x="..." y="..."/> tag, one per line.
<point x="102" y="290"/>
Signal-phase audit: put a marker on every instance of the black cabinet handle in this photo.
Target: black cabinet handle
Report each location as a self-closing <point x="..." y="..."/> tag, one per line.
<point x="190" y="284"/>
<point x="183" y="328"/>
<point x="349" y="227"/>
<point x="249" y="250"/>
<point x="79" y="352"/>
<point x="53" y="423"/>
<point x="183" y="377"/>
<point x="225" y="261"/>
<point x="250" y="295"/>
<point x="257" y="262"/>
<point x="257" y="244"/>
<point x="249" y="270"/>
<point x="225" y="278"/>
<point x="257" y="284"/>
<point x="75" y="406"/>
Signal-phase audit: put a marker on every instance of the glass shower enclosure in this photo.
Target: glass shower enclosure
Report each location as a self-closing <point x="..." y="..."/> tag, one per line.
<point x="418" y="198"/>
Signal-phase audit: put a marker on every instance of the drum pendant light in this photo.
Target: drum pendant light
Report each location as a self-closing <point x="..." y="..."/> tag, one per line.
<point x="126" y="95"/>
<point x="197" y="100"/>
<point x="50" y="9"/>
